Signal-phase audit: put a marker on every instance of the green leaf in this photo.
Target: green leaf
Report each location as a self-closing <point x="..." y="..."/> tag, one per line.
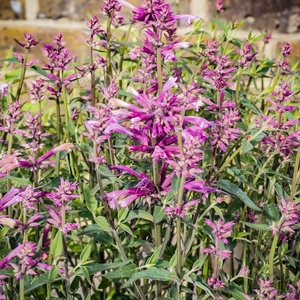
<point x="52" y="273"/>
<point x="154" y="257"/>
<point x="263" y="227"/>
<point x="250" y="105"/>
<point x="173" y="260"/>
<point x="20" y="181"/>
<point x="103" y="224"/>
<point x="38" y="281"/>
<point x="236" y="292"/>
<point x="138" y="214"/>
<point x="122" y="214"/>
<point x="86" y="274"/>
<point x="240" y="176"/>
<point x="90" y="200"/>
<point x="4" y="231"/>
<point x="11" y="60"/>
<point x="234" y="190"/>
<point x="56" y="245"/>
<point x="218" y="211"/>
<point x="85" y="254"/>
<point x="124" y="93"/>
<point x="259" y="137"/>
<point x="96" y="268"/>
<point x="199" y="282"/>
<point x="272" y="213"/>
<point x="98" y="234"/>
<point x="123" y="272"/>
<point x="199" y="262"/>
<point x="154" y="274"/>
<point x="126" y="229"/>
<point x="221" y="25"/>
<point x="246" y="146"/>
<point x="39" y="70"/>
<point x="159" y="214"/>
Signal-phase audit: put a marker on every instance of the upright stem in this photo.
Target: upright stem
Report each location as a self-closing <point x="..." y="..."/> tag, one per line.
<point x="93" y="79"/>
<point x="9" y="152"/>
<point x="22" y="76"/>
<point x="271" y="257"/>
<point x="296" y="176"/>
<point x="245" y="255"/>
<point x="238" y="84"/>
<point x="66" y="260"/>
<point x="57" y="166"/>
<point x="159" y="70"/>
<point x="108" y="54"/>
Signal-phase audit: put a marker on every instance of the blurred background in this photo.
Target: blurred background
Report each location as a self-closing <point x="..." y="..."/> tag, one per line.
<point x="45" y="18"/>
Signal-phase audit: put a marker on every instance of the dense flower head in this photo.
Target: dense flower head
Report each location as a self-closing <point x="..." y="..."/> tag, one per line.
<point x="220" y="75"/>
<point x="13" y="115"/>
<point x="286" y="50"/>
<point x="30" y="42"/>
<point x="95" y="127"/>
<point x="158" y="14"/>
<point x="294" y="292"/>
<point x="25" y="253"/>
<point x="58" y="55"/>
<point x="64" y="193"/>
<point x="180" y="211"/>
<point x="266" y="290"/>
<point x="110" y="7"/>
<point x="38" y="89"/>
<point x="247" y="55"/>
<point x="95" y="29"/>
<point x="225" y="131"/>
<point x="30" y="198"/>
<point x="267" y="37"/>
<point x="290" y="216"/>
<point x="215" y="283"/>
<point x="220" y="6"/>
<point x="220" y="254"/>
<point x="220" y="229"/>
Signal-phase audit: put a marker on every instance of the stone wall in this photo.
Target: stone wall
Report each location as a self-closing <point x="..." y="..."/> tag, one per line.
<point x="44" y="18"/>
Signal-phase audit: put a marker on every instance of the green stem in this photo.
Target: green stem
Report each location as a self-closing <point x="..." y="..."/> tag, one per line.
<point x="271" y="257"/>
<point x="57" y="165"/>
<point x="65" y="101"/>
<point x="108" y="54"/>
<point x="281" y="269"/>
<point x="275" y="80"/>
<point x="66" y="260"/>
<point x="22" y="76"/>
<point x="93" y="79"/>
<point x="123" y="53"/>
<point x="22" y="287"/>
<point x="159" y="70"/>
<point x="9" y="152"/>
<point x="245" y="279"/>
<point x="296" y="176"/>
<point x="238" y="84"/>
<point x="262" y="169"/>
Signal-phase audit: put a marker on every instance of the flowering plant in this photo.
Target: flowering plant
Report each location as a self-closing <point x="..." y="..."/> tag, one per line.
<point x="166" y="168"/>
